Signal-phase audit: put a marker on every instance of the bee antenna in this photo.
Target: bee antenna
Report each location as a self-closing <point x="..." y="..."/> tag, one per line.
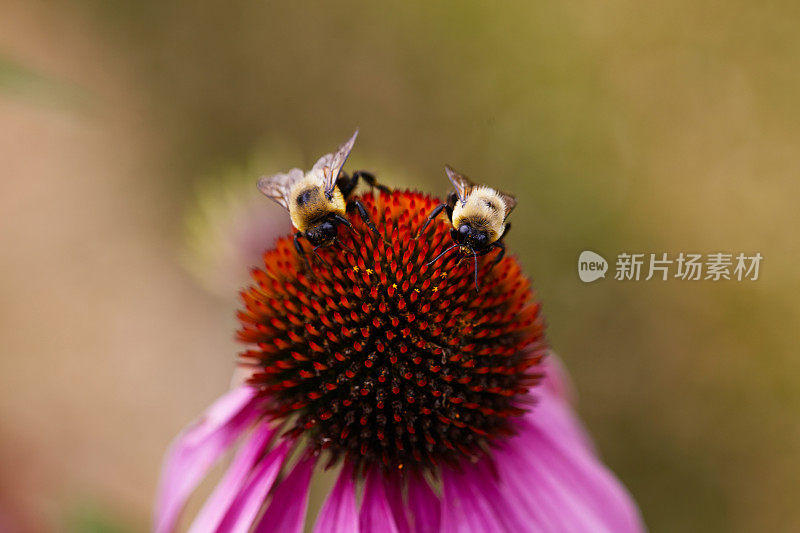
<point x="475" y="257"/>
<point x="440" y="255"/>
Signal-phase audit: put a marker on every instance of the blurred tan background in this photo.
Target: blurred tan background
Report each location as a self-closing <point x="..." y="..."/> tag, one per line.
<point x="621" y="125"/>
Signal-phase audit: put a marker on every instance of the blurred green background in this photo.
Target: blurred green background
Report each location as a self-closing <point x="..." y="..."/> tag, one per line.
<point x="623" y="126"/>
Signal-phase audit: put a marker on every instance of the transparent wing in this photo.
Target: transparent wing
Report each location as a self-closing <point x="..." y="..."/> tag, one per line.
<point x="277" y="186"/>
<point x="328" y="167"/>
<point x="510" y="201"/>
<point x="461" y="183"/>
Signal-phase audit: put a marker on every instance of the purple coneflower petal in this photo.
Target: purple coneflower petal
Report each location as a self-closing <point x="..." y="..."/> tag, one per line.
<point x="542" y="499"/>
<point x="287" y="511"/>
<point x="194" y="452"/>
<point x="423" y="506"/>
<point x="393" y="486"/>
<point x="487" y="491"/>
<point x="521" y="491"/>
<point x="215" y="508"/>
<point x="547" y="478"/>
<point x="558" y="389"/>
<point x="556" y="378"/>
<point x="338" y="514"/>
<point x="552" y="474"/>
<point x="376" y="513"/>
<point x="245" y="507"/>
<point x="464" y="508"/>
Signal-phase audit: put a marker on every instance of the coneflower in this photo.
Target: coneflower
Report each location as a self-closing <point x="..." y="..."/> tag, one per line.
<point x="436" y="401"/>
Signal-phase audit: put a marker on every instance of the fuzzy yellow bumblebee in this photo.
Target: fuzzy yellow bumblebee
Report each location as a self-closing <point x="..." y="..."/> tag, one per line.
<point x="318" y="200"/>
<point x="309" y="203"/>
<point x="485" y="210"/>
<point x="478" y="216"/>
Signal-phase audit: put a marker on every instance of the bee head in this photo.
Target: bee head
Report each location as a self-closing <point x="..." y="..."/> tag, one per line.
<point x="473" y="238"/>
<point x="322" y="233"/>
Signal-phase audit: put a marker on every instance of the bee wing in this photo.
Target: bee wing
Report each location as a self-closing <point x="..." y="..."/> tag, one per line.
<point x="277" y="186"/>
<point x="328" y="167"/>
<point x="461" y="183"/>
<point x="509" y="201"/>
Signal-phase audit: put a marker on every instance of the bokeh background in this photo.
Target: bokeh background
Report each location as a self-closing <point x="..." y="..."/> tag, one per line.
<point x="131" y="133"/>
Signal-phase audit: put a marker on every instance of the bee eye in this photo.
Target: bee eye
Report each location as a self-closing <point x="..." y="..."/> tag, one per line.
<point x="463" y="229"/>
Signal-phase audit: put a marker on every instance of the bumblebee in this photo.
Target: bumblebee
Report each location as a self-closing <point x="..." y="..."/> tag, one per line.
<point x="318" y="200"/>
<point x="478" y="216"/>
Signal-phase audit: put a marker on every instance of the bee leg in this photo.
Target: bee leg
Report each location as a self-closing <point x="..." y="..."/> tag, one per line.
<point x="500" y="255"/>
<point x="343" y="220"/>
<point x="362" y="212"/>
<point x="499" y="244"/>
<point x="475" y="258"/>
<point x="488" y="249"/>
<point x="299" y="247"/>
<point x="435" y="213"/>
<point x="319" y="256"/>
<point x="370" y="179"/>
<point x="346" y="184"/>
<point x="344" y="246"/>
<point x="447" y="206"/>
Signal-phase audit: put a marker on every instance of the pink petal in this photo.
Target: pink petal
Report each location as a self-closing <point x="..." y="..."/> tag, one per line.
<point x="556" y="378"/>
<point x="486" y="489"/>
<point x="376" y="514"/>
<point x="423" y="506"/>
<point x="557" y="386"/>
<point x="393" y="486"/>
<point x="248" y="502"/>
<point x="338" y="514"/>
<point x="545" y="479"/>
<point x="540" y="497"/>
<point x="287" y="511"/>
<point x="551" y="473"/>
<point x="534" y="501"/>
<point x="464" y="507"/>
<point x="217" y="505"/>
<point x="194" y="452"/>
